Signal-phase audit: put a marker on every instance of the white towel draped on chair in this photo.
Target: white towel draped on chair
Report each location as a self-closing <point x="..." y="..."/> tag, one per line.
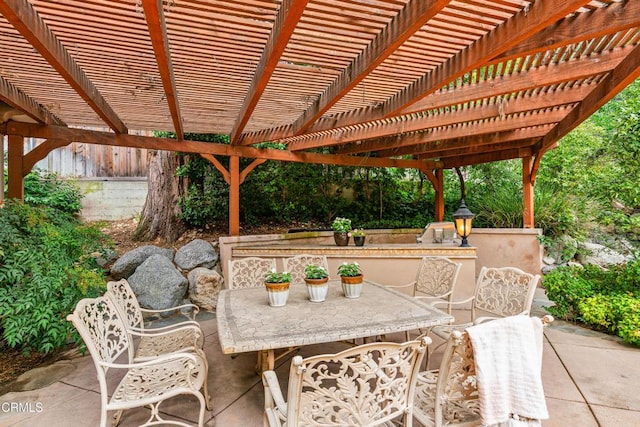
<point x="508" y="357"/>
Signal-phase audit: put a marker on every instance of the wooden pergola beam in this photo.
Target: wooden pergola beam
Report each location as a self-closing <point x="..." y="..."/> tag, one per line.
<point x="412" y="124"/>
<point x="474" y="150"/>
<point x="512" y="32"/>
<point x="622" y="76"/>
<point x="154" y="15"/>
<point x="553" y="74"/>
<point x="424" y="150"/>
<point x="548" y="75"/>
<point x="285" y="23"/>
<point x="495" y="156"/>
<point x="155" y="143"/>
<point x="619" y="16"/>
<point x="23" y="102"/>
<point x="396" y="143"/>
<point x="414" y="15"/>
<point x="26" y="20"/>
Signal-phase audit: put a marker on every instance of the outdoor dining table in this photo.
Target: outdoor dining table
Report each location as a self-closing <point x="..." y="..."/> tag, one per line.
<point x="247" y="323"/>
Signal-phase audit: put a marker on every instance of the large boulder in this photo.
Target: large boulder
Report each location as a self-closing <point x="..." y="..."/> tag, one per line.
<point x="204" y="287"/>
<point x="197" y="253"/>
<point x="158" y="284"/>
<point x="599" y="255"/>
<point x="124" y="267"/>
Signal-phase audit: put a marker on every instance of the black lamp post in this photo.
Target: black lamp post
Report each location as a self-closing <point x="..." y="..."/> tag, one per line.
<point x="463" y="217"/>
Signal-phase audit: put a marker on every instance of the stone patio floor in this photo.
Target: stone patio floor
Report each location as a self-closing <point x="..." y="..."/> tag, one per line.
<point x="590" y="379"/>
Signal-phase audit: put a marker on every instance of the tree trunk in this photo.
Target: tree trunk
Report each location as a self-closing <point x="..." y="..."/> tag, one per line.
<point x="160" y="216"/>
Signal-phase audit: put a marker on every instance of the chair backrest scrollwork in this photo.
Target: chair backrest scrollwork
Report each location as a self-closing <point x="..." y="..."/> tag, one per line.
<point x="248" y="272"/>
<point x="506" y="291"/>
<point x="366" y="385"/>
<point x="296" y="265"/>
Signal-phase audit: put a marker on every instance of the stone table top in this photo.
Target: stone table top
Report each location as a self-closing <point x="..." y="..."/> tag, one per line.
<point x="246" y="322"/>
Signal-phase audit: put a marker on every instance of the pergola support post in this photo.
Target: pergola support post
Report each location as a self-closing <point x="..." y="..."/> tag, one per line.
<point x="437" y="181"/>
<point x="15" y="178"/>
<point x="2" y="169"/>
<point x="234" y="196"/>
<point x="439" y="202"/>
<point x="527" y="191"/>
<point x="233" y="177"/>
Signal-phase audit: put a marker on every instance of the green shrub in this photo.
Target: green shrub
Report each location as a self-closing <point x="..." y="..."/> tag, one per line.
<point x="616" y="313"/>
<point x="47" y="265"/>
<point x="566" y="288"/>
<point x="47" y="189"/>
<point x="607" y="300"/>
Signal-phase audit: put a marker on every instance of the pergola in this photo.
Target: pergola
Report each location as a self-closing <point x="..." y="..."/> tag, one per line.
<point x="424" y="84"/>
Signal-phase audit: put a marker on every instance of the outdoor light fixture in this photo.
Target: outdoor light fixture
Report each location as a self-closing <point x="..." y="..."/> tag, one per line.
<point x="463" y="216"/>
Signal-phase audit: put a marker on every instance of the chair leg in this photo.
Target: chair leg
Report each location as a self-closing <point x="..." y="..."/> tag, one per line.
<point x="205" y="386"/>
<point x="116" y="418"/>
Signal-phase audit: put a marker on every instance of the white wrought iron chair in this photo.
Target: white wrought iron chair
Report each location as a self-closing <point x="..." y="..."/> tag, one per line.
<point x="369" y="385"/>
<point x="499" y="292"/>
<point x="147" y="383"/>
<point x="248" y="272"/>
<point x="435" y="280"/>
<point x="449" y="396"/>
<point x="182" y="336"/>
<point x="296" y="264"/>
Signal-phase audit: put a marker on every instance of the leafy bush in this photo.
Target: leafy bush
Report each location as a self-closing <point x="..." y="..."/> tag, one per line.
<point x="615" y="313"/>
<point x="607" y="300"/>
<point x="566" y="287"/>
<point x="47" y="265"/>
<point x="47" y="189"/>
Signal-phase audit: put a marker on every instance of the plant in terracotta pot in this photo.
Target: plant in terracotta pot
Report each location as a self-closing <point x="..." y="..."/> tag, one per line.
<point x="358" y="235"/>
<point x="351" y="277"/>
<point x="277" y="284"/>
<point x="316" y="278"/>
<point x="341" y="228"/>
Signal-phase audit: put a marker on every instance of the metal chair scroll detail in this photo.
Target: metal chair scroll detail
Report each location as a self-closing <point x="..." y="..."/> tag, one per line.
<point x="296" y="264"/>
<point x="449" y="395"/>
<point x="499" y="292"/>
<point x="182" y="336"/>
<point x="248" y="272"/>
<point x="147" y="383"/>
<point x="368" y="385"/>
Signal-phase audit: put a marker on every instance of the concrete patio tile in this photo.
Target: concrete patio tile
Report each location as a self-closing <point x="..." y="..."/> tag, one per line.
<point x="605" y="376"/>
<point x="557" y="382"/>
<point x="246" y="411"/>
<point x="564" y="413"/>
<point x="570" y="334"/>
<point x="613" y="417"/>
<point x="62" y="405"/>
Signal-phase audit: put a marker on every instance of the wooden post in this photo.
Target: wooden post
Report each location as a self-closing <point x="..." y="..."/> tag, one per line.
<point x="527" y="191"/>
<point x="14" y="162"/>
<point x="439" y="202"/>
<point x="2" y="169"/>
<point x="234" y="196"/>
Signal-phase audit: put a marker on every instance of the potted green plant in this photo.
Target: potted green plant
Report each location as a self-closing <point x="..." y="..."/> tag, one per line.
<point x="277" y="284"/>
<point x="358" y="236"/>
<point x="351" y="278"/>
<point x="316" y="278"/>
<point x="341" y="228"/>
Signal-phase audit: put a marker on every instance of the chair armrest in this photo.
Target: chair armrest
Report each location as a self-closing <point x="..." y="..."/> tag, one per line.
<point x="165" y="331"/>
<point x="447" y="303"/>
<point x="190" y="323"/>
<point x="160" y="360"/>
<point x="273" y="394"/>
<point x="402" y="286"/>
<point x="194" y="310"/>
